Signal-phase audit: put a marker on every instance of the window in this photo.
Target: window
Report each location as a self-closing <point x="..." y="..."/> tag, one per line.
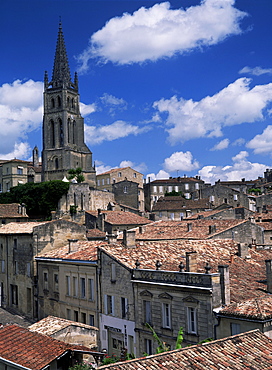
<point x="235" y="329"/>
<point x="14" y="294"/>
<point x="197" y="186"/>
<point x="113" y="180"/>
<point x="83" y="317"/>
<point x="15" y="243"/>
<point x="125" y="189"/>
<point x="172" y="216"/>
<point x="68" y="314"/>
<point x="235" y="197"/>
<point x="176" y="189"/>
<point x="186" y="186"/>
<point x="109" y="305"/>
<point x="166" y="315"/>
<point x="75" y="315"/>
<point x="19" y="170"/>
<point x="181" y="215"/>
<point x="45" y="280"/>
<point x="119" y="174"/>
<point x="98" y="182"/>
<point x="108" y="180"/>
<point x="124" y="307"/>
<point x="161" y="189"/>
<point x="68" y="285"/>
<point x="91" y="320"/>
<point x="134" y="175"/>
<point x="91" y="289"/>
<point x="187" y="195"/>
<point x="83" y="287"/>
<point x="56" y="282"/>
<point x="3" y="266"/>
<point x="212" y="198"/>
<point x="103" y="181"/>
<point x="170" y="189"/>
<point x="15" y="267"/>
<point x="154" y="189"/>
<point x="147" y="312"/>
<point x="148" y="346"/>
<point x="160" y="214"/>
<point x="191" y="312"/>
<point x="75" y="287"/>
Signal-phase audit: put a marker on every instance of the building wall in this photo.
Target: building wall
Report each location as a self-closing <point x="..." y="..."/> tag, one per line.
<point x="126" y="192"/>
<point x="68" y="298"/>
<point x="116" y="327"/>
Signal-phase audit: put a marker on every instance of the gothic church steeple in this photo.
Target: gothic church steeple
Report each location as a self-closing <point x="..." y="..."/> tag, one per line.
<point x="63" y="127"/>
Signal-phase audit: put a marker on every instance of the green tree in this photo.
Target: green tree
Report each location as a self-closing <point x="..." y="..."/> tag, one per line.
<point x="77" y="174"/>
<point x="39" y="198"/>
<point x="162" y="347"/>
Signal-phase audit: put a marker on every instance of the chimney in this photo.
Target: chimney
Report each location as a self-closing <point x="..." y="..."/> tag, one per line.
<point x="141" y="229"/>
<point x="101" y="220"/>
<point x="73" y="247"/>
<point x="225" y="284"/>
<point x="112" y="238"/>
<point x="268" y="264"/>
<point x="212" y="229"/>
<point x="242" y="250"/>
<point x="189" y="226"/>
<point x="191" y="262"/>
<point x="129" y="238"/>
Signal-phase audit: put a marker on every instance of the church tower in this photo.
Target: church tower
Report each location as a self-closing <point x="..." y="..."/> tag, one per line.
<point x="63" y="125"/>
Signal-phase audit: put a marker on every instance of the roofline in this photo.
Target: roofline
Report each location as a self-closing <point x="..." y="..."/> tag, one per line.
<point x="14" y="364"/>
<point x="68" y="260"/>
<point x="243" y="318"/>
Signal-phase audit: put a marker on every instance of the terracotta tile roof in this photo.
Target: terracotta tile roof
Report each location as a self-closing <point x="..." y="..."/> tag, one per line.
<point x="179" y="203"/>
<point x="175" y="180"/>
<point x="116" y="170"/>
<point x="20" y="227"/>
<point x="205" y="214"/>
<point x="246" y="351"/>
<point x="256" y="308"/>
<point x="95" y="233"/>
<point x="51" y="325"/>
<point x="200" y="229"/>
<point x="266" y="225"/>
<point x="263" y="216"/>
<point x="122" y="218"/>
<point x="247" y="276"/>
<point x="31" y="350"/>
<point x="80" y="251"/>
<point x="11" y="211"/>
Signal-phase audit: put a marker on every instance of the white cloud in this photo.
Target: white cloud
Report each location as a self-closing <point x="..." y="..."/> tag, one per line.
<point x="240" y="168"/>
<point x="223" y="144"/>
<point x="256" y="71"/>
<point x="86" y="109"/>
<point x="160" y="175"/>
<point x="117" y="130"/>
<point x="159" y="32"/>
<point x="137" y="167"/>
<point x="113" y="102"/>
<point x="20" y="112"/>
<point x="239" y="142"/>
<point x="233" y="105"/>
<point x="180" y="161"/>
<point x="262" y="143"/>
<point x="20" y="150"/>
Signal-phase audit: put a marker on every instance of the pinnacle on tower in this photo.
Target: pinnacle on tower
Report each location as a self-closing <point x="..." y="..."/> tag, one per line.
<point x="61" y="71"/>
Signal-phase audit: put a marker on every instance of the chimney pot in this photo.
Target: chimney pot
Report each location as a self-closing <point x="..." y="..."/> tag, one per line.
<point x="129" y="238"/>
<point x="191" y="262"/>
<point x="225" y="284"/>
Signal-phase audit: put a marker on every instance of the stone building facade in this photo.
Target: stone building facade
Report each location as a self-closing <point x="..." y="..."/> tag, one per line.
<point x="19" y="244"/>
<point x="63" y="125"/>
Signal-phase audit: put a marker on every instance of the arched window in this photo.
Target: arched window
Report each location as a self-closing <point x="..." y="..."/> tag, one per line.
<point x="59" y="101"/>
<point x="69" y="129"/>
<point x="68" y="101"/>
<point x="52" y="103"/>
<point x="56" y="163"/>
<point x="73" y="103"/>
<point x="74" y="132"/>
<point x="61" y="137"/>
<point x="52" y="133"/>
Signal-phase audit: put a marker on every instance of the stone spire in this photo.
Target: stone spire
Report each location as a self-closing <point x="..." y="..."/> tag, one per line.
<point x="61" y="71"/>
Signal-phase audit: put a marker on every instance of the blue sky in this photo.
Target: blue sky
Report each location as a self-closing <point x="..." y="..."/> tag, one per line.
<point x="169" y="88"/>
